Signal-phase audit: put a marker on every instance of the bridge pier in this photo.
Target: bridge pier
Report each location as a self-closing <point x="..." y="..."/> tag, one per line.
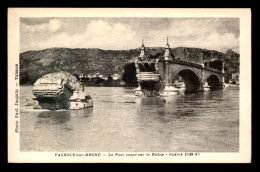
<point x="138" y="91"/>
<point x="204" y="87"/>
<point x="169" y="91"/>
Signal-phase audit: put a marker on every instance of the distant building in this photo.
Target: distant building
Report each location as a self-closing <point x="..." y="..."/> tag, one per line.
<point x="116" y="76"/>
<point x="103" y="77"/>
<point x="81" y="76"/>
<point x="95" y="75"/>
<point x="89" y="76"/>
<point x="234" y="79"/>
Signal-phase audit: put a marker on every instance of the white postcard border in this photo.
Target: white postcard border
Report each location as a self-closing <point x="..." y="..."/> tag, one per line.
<point x="244" y="154"/>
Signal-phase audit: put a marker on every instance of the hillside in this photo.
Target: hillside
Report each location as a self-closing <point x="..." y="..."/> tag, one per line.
<point x="34" y="64"/>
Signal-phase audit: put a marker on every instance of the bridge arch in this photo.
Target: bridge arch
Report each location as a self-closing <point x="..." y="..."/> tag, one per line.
<point x="213" y="81"/>
<point x="191" y="78"/>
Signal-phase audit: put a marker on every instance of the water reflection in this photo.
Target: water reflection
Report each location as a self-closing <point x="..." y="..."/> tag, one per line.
<point x="162" y="111"/>
<point x="85" y="113"/>
<point x="188" y="112"/>
<point x="57" y="117"/>
<point x="152" y="101"/>
<point x="61" y="117"/>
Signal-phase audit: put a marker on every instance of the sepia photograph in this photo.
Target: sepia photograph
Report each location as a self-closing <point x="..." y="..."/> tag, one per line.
<point x="151" y="86"/>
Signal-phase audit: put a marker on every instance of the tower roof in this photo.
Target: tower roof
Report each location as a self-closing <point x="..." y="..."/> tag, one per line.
<point x="142" y="50"/>
<point x="167" y="45"/>
<point x="142" y="47"/>
<point x="167" y="53"/>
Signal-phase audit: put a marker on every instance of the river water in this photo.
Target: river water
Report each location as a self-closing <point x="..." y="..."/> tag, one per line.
<point x="122" y="122"/>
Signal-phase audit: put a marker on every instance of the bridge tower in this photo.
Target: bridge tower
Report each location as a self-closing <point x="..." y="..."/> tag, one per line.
<point x="148" y="77"/>
<point x="155" y="75"/>
<point x="168" y="88"/>
<point x="167" y="54"/>
<point x="140" y="58"/>
<point x="142" y="50"/>
<point x="138" y="90"/>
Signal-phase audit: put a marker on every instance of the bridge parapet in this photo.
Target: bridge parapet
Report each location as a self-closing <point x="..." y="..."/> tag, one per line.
<point x="181" y="62"/>
<point x="186" y="63"/>
<point x="212" y="69"/>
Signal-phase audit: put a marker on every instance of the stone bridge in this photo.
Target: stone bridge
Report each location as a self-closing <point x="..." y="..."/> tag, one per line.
<point x="195" y="76"/>
<point x="156" y="76"/>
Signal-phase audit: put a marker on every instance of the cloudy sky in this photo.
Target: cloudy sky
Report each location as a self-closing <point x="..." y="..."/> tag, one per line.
<point x="126" y="33"/>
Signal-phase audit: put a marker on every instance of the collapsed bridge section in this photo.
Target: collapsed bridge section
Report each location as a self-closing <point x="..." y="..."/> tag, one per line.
<point x="59" y="90"/>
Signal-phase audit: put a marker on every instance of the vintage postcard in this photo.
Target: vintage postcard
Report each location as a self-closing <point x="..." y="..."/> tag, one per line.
<point x="129" y="85"/>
